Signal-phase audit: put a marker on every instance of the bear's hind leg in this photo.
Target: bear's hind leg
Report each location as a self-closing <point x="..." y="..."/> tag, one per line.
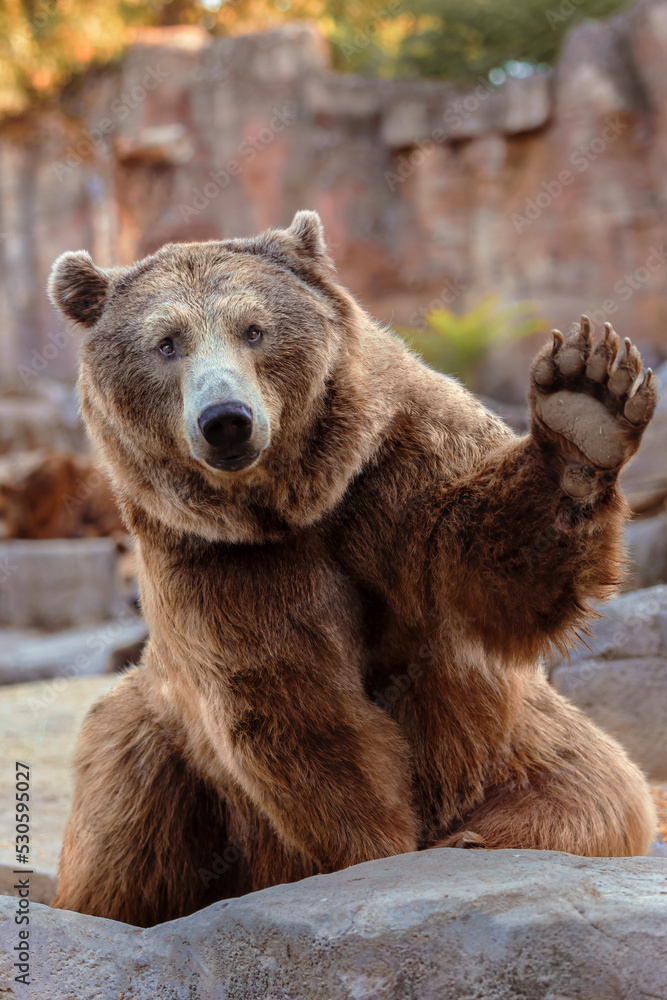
<point x="570" y="788"/>
<point x="143" y="822"/>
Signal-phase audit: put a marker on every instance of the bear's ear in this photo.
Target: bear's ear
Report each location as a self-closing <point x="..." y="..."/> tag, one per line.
<point x="307" y="232"/>
<point x="78" y="287"/>
<point x="302" y="247"/>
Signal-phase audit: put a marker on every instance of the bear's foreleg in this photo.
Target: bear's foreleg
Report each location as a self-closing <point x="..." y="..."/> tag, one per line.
<point x="329" y="770"/>
<point x="533" y="533"/>
<point x="143" y="823"/>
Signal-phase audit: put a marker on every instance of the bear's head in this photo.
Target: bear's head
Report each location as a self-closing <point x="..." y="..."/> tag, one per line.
<point x="226" y="383"/>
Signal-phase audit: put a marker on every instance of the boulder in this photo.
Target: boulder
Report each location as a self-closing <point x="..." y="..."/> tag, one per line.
<point x="169" y="145"/>
<point x="647" y="548"/>
<point x="46" y="419"/>
<point x="619" y="678"/>
<point x="596" y="75"/>
<point x="39" y="723"/>
<point x="78" y="652"/>
<point x="434" y="925"/>
<point x="57" y="583"/>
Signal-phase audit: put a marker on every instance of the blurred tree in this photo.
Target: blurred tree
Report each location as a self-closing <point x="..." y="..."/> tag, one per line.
<point x="44" y="42"/>
<point x="460" y="41"/>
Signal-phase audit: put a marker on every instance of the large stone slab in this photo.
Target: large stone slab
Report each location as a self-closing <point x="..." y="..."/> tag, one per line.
<point x="39" y="725"/>
<point x="57" y="583"/>
<point x="619" y="678"/>
<point x="435" y="925"/>
<point x="628" y="699"/>
<point x="78" y="652"/>
<point x="28" y="422"/>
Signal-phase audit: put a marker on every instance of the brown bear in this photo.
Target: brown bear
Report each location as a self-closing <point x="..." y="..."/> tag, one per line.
<point x="339" y="568"/>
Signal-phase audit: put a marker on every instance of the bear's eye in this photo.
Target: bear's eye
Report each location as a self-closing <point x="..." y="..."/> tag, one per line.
<point x="253" y="334"/>
<point x="167" y="347"/>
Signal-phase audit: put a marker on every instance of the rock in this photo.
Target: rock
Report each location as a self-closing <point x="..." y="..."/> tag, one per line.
<point x="434" y="925"/>
<point x="342" y="97"/>
<point x="596" y="75"/>
<point x="632" y="625"/>
<point x="648" y="38"/>
<point x="526" y="104"/>
<point x="78" y="652"/>
<point x="28" y="423"/>
<point x="420" y="110"/>
<point x="160" y="144"/>
<point x="620" y="680"/>
<point x="627" y="699"/>
<point x="39" y="723"/>
<point x="405" y="124"/>
<point x="58" y="583"/>
<point x="647" y="547"/>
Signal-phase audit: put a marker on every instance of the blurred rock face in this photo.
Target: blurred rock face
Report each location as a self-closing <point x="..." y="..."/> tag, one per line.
<point x="550" y="188"/>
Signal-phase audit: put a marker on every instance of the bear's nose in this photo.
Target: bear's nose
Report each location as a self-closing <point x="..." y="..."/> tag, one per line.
<point x="226" y="426"/>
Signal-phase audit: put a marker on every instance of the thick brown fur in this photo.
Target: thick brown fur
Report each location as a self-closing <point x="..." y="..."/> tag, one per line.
<point x="345" y="635"/>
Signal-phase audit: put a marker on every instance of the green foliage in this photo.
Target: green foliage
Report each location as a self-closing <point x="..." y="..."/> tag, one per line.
<point x="455" y="344"/>
<point x="462" y="40"/>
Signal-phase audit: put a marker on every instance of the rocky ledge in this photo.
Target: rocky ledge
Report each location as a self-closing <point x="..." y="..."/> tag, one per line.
<point x="439" y="925"/>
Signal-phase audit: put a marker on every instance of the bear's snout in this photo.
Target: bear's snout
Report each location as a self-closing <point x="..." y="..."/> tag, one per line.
<point x="227" y="427"/>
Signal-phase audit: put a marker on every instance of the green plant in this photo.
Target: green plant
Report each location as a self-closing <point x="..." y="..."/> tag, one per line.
<point x="455" y="344"/>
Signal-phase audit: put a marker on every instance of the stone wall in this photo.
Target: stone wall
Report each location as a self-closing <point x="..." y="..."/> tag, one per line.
<point x="551" y="188"/>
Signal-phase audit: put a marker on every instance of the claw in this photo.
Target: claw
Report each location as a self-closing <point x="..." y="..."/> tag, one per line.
<point x="602" y="359"/>
<point x="641" y="403"/>
<point x="627" y="370"/>
<point x="572" y="358"/>
<point x="611" y="342"/>
<point x="585" y="338"/>
<point x="646" y="382"/>
<point x="559" y="340"/>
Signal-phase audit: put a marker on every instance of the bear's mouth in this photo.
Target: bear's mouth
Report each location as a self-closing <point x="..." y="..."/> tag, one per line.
<point x="232" y="463"/>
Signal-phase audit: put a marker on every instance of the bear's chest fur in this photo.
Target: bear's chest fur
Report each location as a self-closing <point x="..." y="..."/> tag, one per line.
<point x="340" y="606"/>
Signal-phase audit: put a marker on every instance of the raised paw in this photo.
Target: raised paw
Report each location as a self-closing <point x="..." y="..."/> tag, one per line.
<point x="592" y="402"/>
